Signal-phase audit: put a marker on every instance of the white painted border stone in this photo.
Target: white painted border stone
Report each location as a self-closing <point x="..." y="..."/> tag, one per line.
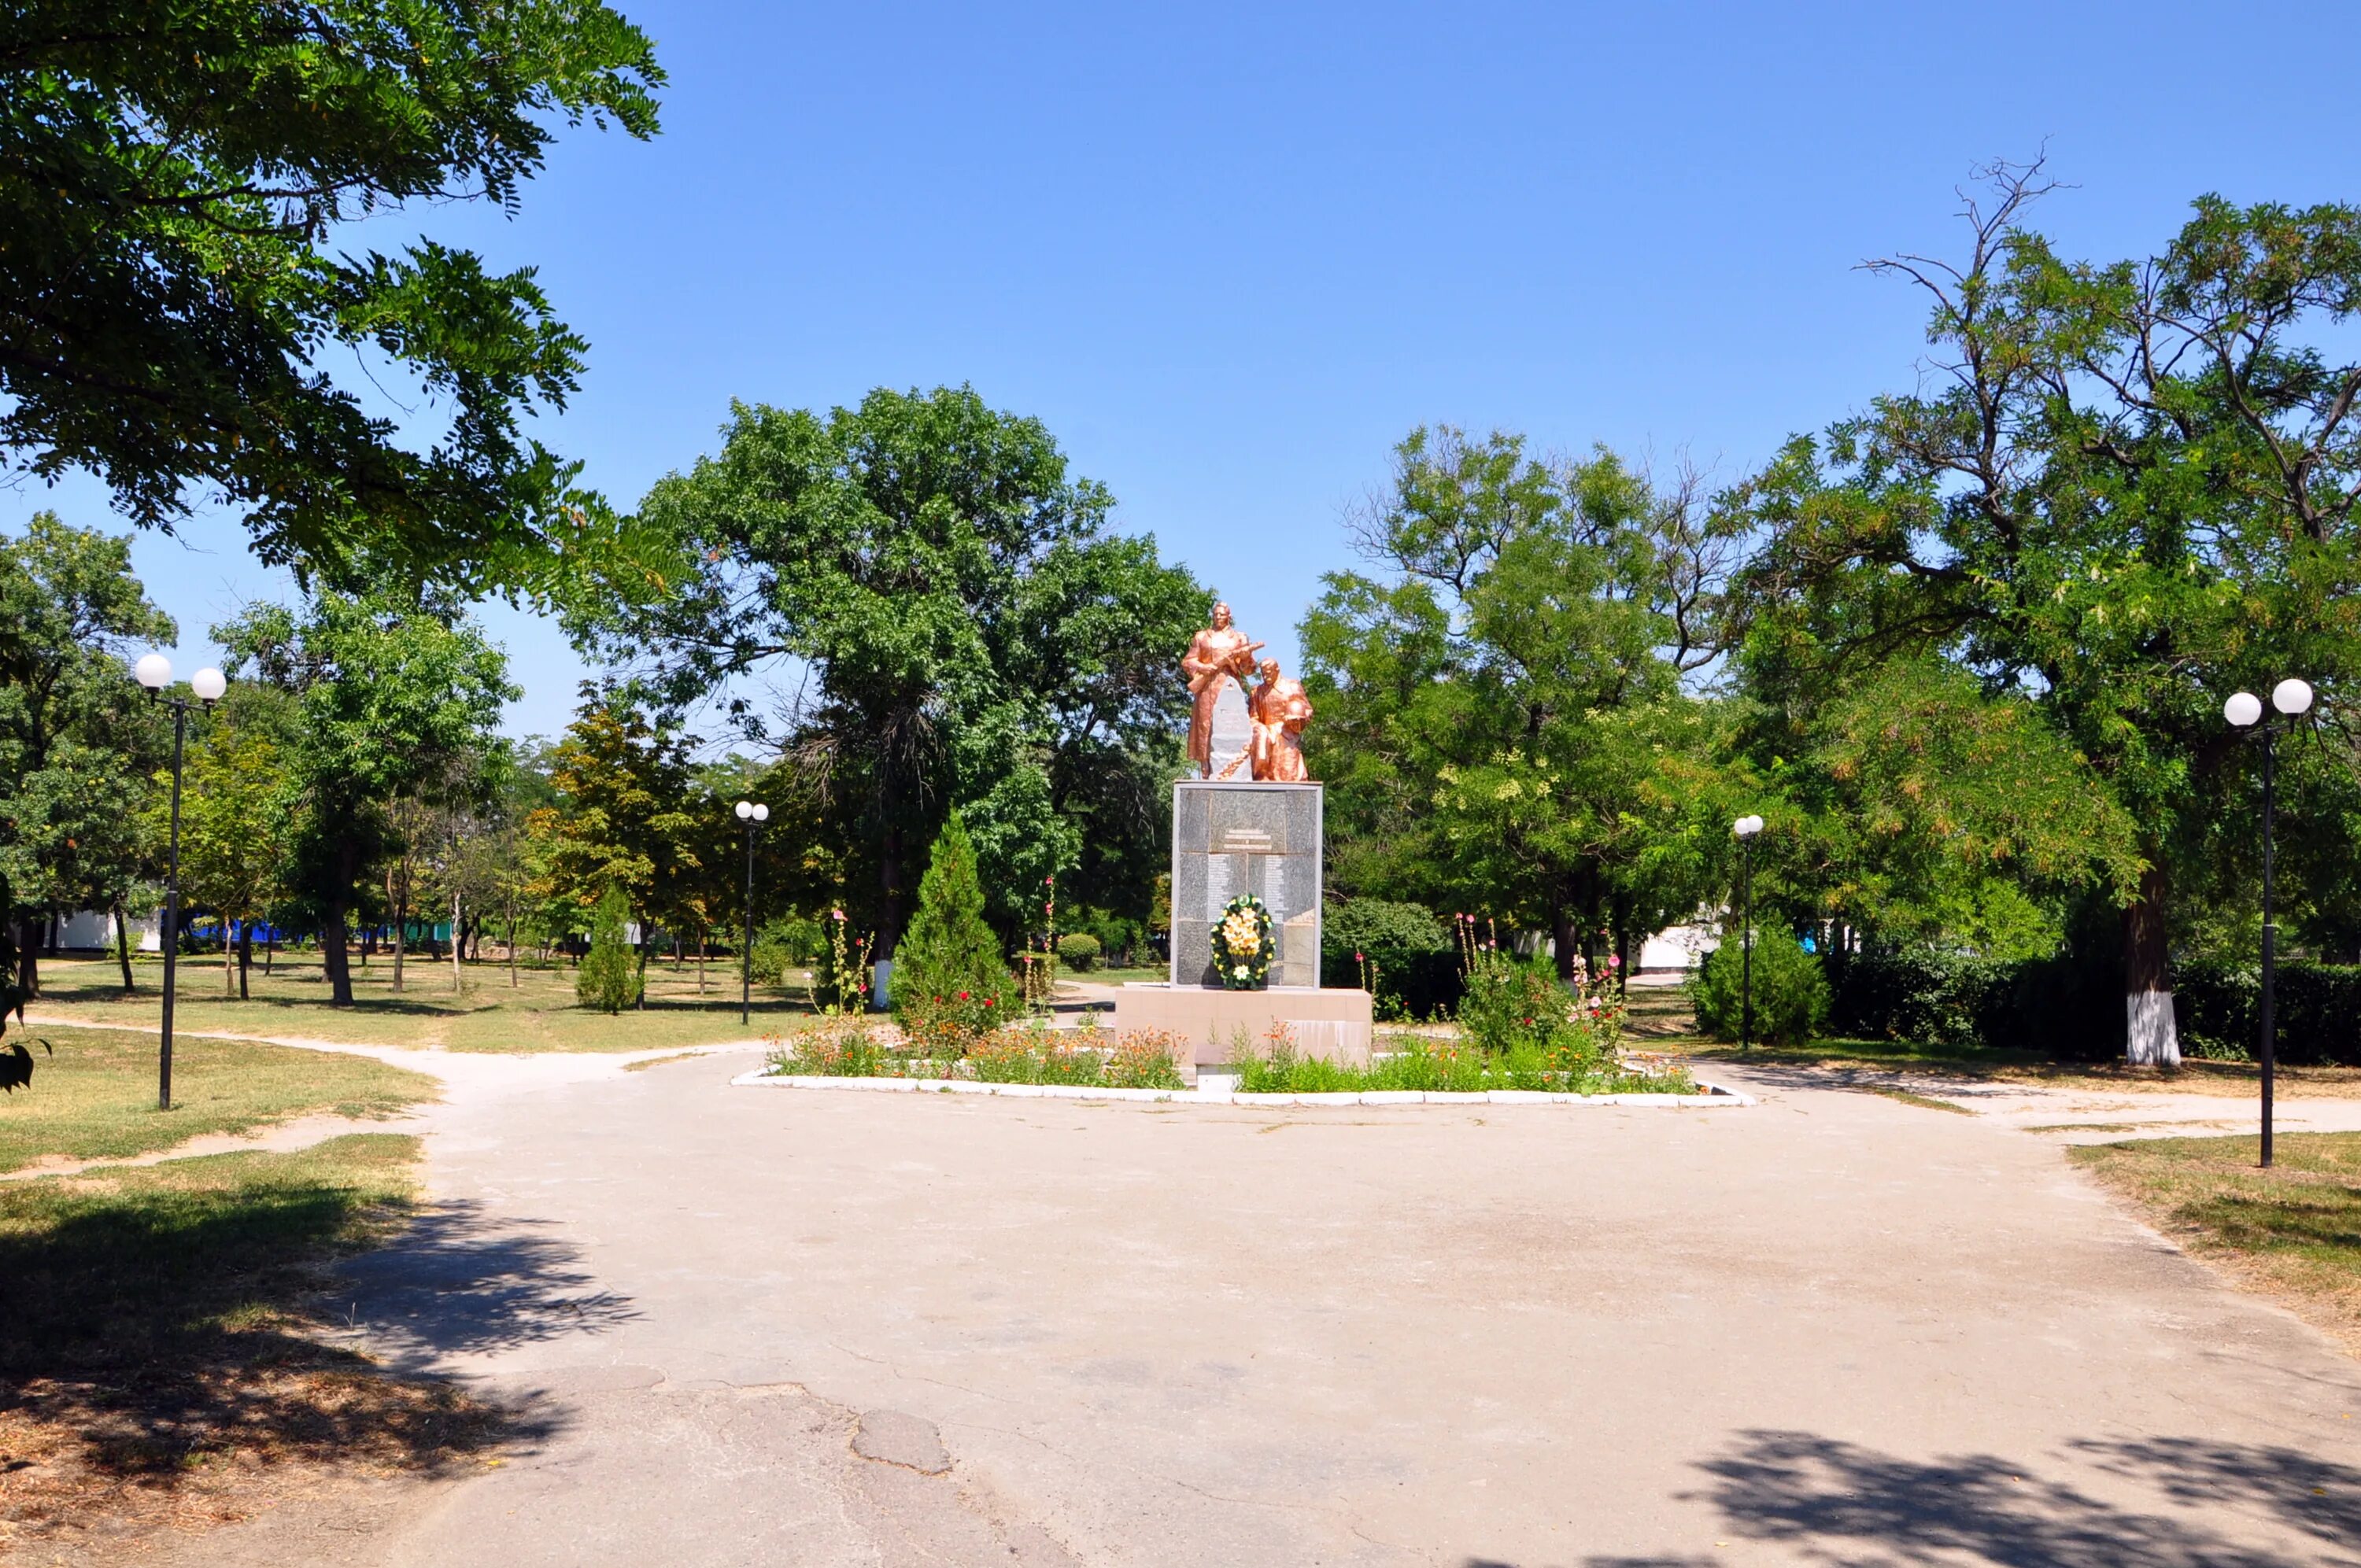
<point x="1715" y="1096"/>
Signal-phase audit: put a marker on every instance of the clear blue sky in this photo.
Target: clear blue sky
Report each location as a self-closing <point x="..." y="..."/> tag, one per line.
<point x="1231" y="255"/>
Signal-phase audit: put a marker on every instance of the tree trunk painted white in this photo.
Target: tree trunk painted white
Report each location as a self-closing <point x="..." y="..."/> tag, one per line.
<point x="2150" y="1038"/>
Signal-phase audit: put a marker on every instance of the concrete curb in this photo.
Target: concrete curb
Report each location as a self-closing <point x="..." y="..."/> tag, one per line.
<point x="1714" y="1097"/>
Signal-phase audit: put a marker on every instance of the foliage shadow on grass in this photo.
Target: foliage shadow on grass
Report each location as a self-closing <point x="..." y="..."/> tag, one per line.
<point x="1846" y="1503"/>
<point x="160" y="1318"/>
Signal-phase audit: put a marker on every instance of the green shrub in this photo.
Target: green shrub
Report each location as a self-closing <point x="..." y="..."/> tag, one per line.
<point x="1118" y="937"/>
<point x="948" y="979"/>
<point x="781" y="947"/>
<point x="608" y="979"/>
<point x="1511" y="1000"/>
<point x="1079" y="951"/>
<point x="1400" y="950"/>
<point x="1791" y="994"/>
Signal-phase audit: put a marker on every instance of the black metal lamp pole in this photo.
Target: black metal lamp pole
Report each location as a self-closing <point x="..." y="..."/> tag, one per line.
<point x="172" y="908"/>
<point x="2292" y="698"/>
<point x="753" y="814"/>
<point x="1746" y="827"/>
<point x="2270" y="932"/>
<point x="155" y="673"/>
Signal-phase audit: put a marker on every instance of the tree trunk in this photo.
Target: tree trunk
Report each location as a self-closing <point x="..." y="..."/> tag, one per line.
<point x="456" y="985"/>
<point x="700" y="960"/>
<point x="1564" y="938"/>
<point x="334" y="958"/>
<point x="123" y="944"/>
<point x="244" y="957"/>
<point x="512" y="967"/>
<point x="28" y="963"/>
<point x="2150" y="1038"/>
<point x="400" y="903"/>
<point x="1623" y="955"/>
<point x="229" y="958"/>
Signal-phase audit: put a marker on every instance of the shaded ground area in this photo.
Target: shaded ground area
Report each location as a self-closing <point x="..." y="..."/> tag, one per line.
<point x="1833" y="1329"/>
<point x="162" y="1355"/>
<point x="1845" y="1503"/>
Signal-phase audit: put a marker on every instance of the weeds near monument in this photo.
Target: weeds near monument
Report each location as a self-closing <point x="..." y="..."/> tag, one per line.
<point x="840" y="988"/>
<point x="1145" y="1058"/>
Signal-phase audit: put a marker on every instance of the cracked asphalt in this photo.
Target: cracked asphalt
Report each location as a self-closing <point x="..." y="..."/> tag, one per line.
<point x="752" y="1327"/>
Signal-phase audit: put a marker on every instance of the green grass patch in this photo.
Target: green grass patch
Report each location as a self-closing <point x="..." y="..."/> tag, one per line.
<point x="1086" y="1057"/>
<point x="1417" y="1064"/>
<point x="539" y="1013"/>
<point x="107" y="1267"/>
<point x="95" y="1097"/>
<point x="2295" y="1229"/>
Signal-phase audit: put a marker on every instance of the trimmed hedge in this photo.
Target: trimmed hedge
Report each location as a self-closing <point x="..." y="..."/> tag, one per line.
<point x="2315" y="1011"/>
<point x="2072" y="1009"/>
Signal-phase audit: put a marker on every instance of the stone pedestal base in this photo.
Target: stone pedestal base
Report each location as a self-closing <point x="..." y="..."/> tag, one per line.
<point x="1326" y="1022"/>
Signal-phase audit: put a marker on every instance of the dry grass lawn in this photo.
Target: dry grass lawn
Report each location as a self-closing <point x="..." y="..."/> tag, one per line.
<point x="2293" y="1231"/>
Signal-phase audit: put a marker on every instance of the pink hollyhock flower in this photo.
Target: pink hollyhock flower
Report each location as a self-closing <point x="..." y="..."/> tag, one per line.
<point x="1614" y="960"/>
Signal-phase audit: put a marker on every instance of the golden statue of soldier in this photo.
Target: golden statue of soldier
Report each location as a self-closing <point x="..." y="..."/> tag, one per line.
<point x="1278" y="707"/>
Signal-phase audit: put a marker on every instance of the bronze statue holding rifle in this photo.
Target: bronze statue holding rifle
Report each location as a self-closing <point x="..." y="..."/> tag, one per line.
<point x="1218" y="654"/>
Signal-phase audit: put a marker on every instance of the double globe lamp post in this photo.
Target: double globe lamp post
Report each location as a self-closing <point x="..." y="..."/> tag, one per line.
<point x="2292" y="698"/>
<point x="155" y="673"/>
<point x="1746" y="827"/>
<point x="753" y="814"/>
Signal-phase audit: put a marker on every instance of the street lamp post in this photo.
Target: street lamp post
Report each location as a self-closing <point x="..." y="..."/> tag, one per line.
<point x="155" y="673"/>
<point x="753" y="814"/>
<point x="2292" y="698"/>
<point x="1746" y="827"/>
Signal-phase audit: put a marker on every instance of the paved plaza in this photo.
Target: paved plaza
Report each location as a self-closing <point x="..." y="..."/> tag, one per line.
<point x="750" y="1327"/>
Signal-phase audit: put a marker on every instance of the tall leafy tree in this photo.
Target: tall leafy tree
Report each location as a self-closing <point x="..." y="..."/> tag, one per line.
<point x="234" y="836"/>
<point x="2131" y="489"/>
<point x="76" y="738"/>
<point x="1504" y="723"/>
<point x="391" y="698"/>
<point x="971" y="635"/>
<point x="626" y="817"/>
<point x="173" y="306"/>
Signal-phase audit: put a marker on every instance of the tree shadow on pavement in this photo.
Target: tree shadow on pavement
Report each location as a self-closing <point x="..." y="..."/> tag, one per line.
<point x="462" y="1282"/>
<point x="1842" y="1503"/>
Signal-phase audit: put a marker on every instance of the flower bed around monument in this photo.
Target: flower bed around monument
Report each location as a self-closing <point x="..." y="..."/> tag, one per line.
<point x="1086" y="1056"/>
<point x="1421" y="1065"/>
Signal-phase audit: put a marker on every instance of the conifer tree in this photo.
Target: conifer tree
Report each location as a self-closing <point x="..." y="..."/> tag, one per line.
<point x="950" y="959"/>
<point x="608" y="979"/>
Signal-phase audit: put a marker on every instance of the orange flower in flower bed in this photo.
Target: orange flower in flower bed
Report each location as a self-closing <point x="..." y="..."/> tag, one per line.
<point x="1147" y="1058"/>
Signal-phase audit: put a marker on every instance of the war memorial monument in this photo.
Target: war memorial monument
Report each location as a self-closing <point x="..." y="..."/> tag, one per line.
<point x="1247" y="857"/>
